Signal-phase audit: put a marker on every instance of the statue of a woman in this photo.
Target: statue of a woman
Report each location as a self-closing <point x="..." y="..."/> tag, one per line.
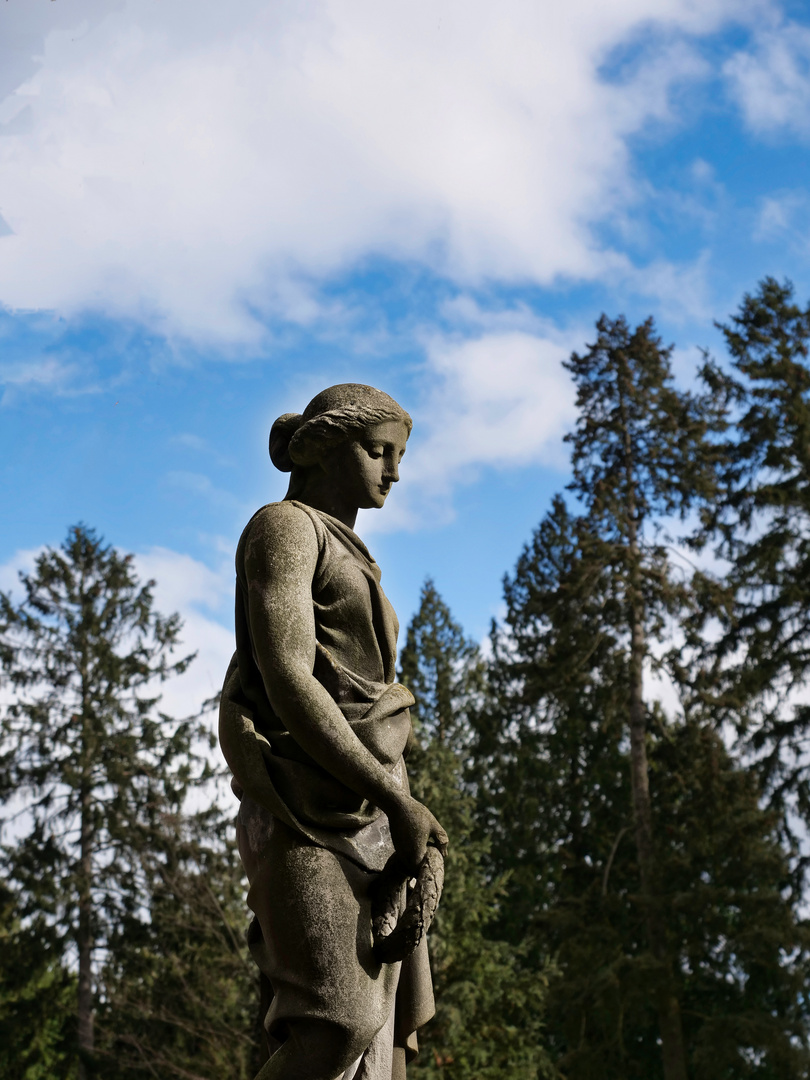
<point x="314" y="728"/>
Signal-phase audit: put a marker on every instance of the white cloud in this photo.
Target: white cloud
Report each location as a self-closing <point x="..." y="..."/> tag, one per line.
<point x="199" y="484"/>
<point x="784" y="219"/>
<point x="49" y="373"/>
<point x="771" y="81"/>
<point x="183" y="165"/>
<point x="503" y="400"/>
<point x="776" y="213"/>
<point x="203" y="597"/>
<point x="204" y="600"/>
<point x="681" y="291"/>
<point x="182" y="581"/>
<point x="22" y="560"/>
<point x="500" y="399"/>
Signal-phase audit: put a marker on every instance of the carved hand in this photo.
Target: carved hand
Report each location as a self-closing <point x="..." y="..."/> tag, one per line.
<point x="413" y="827"/>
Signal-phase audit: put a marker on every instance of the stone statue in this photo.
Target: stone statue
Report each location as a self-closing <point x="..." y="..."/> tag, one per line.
<point x="345" y="867"/>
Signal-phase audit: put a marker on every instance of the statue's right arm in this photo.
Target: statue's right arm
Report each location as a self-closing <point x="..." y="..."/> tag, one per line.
<point x="281" y="556"/>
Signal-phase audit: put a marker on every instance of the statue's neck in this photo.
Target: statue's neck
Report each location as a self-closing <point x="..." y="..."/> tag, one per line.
<point x="320" y="493"/>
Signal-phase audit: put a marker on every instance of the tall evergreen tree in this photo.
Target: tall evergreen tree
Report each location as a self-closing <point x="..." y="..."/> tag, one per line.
<point x="555" y="796"/>
<point x="37" y="996"/>
<point x="756" y="664"/>
<point x="554" y="762"/>
<point x="490" y="1007"/>
<point x="180" y="992"/>
<point x="90" y="760"/>
<point x="640" y="453"/>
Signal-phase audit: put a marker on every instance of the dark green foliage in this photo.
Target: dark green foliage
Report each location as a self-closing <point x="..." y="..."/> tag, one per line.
<point x="555" y="793"/>
<point x="180" y="991"/>
<point x="680" y="929"/>
<point x="548" y="755"/>
<point x="759" y="657"/>
<point x="37" y="1000"/>
<point x="81" y="657"/>
<point x="640" y="452"/>
<point x="94" y="764"/>
<point x="725" y="879"/>
<point x="638" y="448"/>
<point x="553" y="759"/>
<point x="443" y="671"/>
<point x="489" y="1019"/>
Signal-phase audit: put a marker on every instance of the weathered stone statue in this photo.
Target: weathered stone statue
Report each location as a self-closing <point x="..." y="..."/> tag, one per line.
<point x="345" y="868"/>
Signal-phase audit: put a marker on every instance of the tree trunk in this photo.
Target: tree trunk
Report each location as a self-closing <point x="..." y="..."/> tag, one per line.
<point x="85" y="939"/>
<point x="85" y="880"/>
<point x="669" y="1013"/>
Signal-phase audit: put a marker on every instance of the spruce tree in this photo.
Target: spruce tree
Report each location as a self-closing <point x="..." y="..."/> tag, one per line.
<point x="554" y="765"/>
<point x="608" y="847"/>
<point x="37" y="996"/>
<point x="754" y="623"/>
<point x="92" y="764"/>
<point x="489" y="1005"/>
<point x="640" y="453"/>
<point x="554" y="795"/>
<point x="180" y="990"/>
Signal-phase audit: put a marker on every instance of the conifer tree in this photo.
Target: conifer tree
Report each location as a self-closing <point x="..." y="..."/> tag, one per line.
<point x="91" y="762"/>
<point x="756" y="665"/>
<point x="640" y="453"/>
<point x="180" y="990"/>
<point x="593" y="602"/>
<point x="554" y="795"/>
<point x="553" y="759"/>
<point x="37" y="999"/>
<point x="489" y="1018"/>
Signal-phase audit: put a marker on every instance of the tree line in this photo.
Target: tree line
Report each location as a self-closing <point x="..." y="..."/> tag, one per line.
<point x="623" y="770"/>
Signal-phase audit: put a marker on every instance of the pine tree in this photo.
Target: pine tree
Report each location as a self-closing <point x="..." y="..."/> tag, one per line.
<point x="743" y="946"/>
<point x="489" y="1018"/>
<point x="640" y="453"/>
<point x="180" y="990"/>
<point x="93" y="765"/>
<point x="37" y="993"/>
<point x="756" y="663"/>
<point x="553" y="758"/>
<point x="554" y="795"/>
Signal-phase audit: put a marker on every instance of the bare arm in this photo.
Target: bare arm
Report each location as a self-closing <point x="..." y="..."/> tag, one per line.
<point x="280" y="561"/>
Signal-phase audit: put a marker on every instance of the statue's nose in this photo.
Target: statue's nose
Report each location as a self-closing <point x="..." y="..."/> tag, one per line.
<point x="392" y="471"/>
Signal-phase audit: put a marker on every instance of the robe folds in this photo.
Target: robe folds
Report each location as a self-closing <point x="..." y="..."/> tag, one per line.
<point x="312" y="848"/>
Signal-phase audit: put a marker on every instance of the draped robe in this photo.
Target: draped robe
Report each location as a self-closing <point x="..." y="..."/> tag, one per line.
<point x="311" y="846"/>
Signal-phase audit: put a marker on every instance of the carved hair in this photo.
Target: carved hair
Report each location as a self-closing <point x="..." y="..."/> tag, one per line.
<point x="298" y="441"/>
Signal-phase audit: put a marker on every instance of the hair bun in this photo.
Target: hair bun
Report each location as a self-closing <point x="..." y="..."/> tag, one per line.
<point x="280" y="434"/>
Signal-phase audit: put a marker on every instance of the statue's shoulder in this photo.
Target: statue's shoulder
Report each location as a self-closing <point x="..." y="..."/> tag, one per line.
<point x="277" y="525"/>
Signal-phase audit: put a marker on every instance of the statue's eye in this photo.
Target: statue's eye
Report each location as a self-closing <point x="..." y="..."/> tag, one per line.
<point x="374" y="450"/>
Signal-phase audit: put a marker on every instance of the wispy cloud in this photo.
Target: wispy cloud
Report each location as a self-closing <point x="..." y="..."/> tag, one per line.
<point x="784" y="218"/>
<point x="201" y="172"/>
<point x="45" y="373"/>
<point x="771" y="80"/>
<point x="200" y="446"/>
<point x="202" y="596"/>
<point x="199" y="484"/>
<point x="22" y="560"/>
<point x="681" y="291"/>
<point x="496" y="399"/>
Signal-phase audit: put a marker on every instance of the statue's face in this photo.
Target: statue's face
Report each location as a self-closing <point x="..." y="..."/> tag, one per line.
<point x="365" y="468"/>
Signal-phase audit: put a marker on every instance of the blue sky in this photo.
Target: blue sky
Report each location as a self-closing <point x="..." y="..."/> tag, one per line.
<point x="211" y="212"/>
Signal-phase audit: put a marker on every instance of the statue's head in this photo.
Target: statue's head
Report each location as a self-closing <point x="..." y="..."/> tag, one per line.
<point x="321" y="438"/>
